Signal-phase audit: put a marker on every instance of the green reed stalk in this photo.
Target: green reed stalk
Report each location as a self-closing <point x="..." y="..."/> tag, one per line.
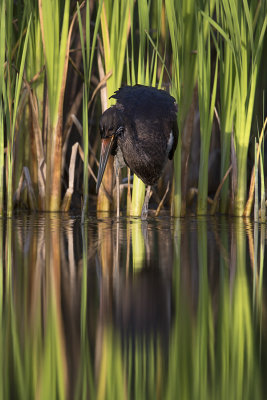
<point x="2" y="82"/>
<point x="227" y="107"/>
<point x="12" y="120"/>
<point x="2" y="334"/>
<point x="88" y="56"/>
<point x="175" y="22"/>
<point x="244" y="32"/>
<point x="146" y="75"/>
<point x="54" y="36"/>
<point x="184" y="38"/>
<point x="183" y="35"/>
<point x="85" y="150"/>
<point x="256" y="194"/>
<point x="2" y="47"/>
<point x="115" y="25"/>
<point x="206" y="108"/>
<point x="30" y="146"/>
<point x="2" y="161"/>
<point x="138" y="194"/>
<point x="247" y="65"/>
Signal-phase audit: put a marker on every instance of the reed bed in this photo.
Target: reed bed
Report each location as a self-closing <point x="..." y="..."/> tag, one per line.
<point x="64" y="62"/>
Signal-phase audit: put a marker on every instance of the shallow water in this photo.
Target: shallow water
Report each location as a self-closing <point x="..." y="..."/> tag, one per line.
<point x="163" y="309"/>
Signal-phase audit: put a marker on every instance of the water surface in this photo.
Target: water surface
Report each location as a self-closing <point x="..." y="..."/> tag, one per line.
<point x="163" y="309"/>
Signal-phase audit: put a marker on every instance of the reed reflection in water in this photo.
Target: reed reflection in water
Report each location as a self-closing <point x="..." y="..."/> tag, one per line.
<point x="162" y="309"/>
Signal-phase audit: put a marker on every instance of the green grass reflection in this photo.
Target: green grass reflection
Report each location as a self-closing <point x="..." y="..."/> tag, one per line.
<point x="185" y="324"/>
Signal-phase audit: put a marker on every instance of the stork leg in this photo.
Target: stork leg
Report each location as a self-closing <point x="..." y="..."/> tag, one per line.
<point x="117" y="173"/>
<point x="145" y="205"/>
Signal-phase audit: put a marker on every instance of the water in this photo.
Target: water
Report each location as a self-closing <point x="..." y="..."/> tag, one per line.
<point x="164" y="309"/>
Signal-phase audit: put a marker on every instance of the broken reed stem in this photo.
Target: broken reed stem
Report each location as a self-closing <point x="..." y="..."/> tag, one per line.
<point x="25" y="181"/>
<point x="162" y="200"/>
<point x="80" y="130"/>
<point x="68" y="195"/>
<point x="218" y="191"/>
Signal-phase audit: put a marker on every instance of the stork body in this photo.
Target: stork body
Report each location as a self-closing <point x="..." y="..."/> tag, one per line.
<point x="140" y="131"/>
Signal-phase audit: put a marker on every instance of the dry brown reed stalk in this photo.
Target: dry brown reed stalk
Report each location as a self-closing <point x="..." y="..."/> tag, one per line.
<point x="54" y="138"/>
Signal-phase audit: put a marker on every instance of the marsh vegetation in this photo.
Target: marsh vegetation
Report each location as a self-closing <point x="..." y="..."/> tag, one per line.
<point x="60" y="62"/>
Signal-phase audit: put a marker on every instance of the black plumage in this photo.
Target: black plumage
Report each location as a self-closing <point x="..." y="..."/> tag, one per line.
<point x="140" y="131"/>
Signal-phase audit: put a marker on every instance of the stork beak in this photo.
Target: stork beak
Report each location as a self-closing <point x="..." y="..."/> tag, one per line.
<point x="105" y="151"/>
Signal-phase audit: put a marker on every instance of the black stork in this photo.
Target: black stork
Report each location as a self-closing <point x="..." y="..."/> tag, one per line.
<point x="141" y="132"/>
